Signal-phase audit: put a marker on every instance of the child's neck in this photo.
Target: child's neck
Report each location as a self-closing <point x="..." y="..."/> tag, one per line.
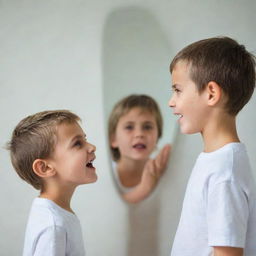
<point x="60" y="196"/>
<point x="220" y="133"/>
<point x="130" y="171"/>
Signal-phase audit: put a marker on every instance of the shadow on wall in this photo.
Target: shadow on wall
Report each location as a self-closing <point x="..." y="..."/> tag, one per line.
<point x="136" y="59"/>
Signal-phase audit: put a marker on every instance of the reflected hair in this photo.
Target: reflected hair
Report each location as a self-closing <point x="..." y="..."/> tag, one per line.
<point x="122" y="107"/>
<point x="35" y="137"/>
<point x="224" y="61"/>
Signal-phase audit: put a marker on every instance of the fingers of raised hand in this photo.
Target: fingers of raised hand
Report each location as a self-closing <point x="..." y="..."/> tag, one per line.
<point x="162" y="158"/>
<point x="150" y="166"/>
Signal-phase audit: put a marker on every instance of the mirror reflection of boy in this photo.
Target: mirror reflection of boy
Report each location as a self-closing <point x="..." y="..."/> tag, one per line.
<point x="49" y="150"/>
<point x="212" y="80"/>
<point x="135" y="125"/>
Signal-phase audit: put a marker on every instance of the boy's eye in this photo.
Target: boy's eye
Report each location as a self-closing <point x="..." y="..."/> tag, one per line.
<point x="176" y="90"/>
<point x="148" y="127"/>
<point x="128" y="127"/>
<point x="78" y="143"/>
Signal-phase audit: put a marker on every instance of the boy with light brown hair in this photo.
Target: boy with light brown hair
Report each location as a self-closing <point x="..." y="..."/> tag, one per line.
<point x="134" y="127"/>
<point x="49" y="150"/>
<point x="212" y="80"/>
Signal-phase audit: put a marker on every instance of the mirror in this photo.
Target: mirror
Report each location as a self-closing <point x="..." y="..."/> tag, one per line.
<point x="136" y="58"/>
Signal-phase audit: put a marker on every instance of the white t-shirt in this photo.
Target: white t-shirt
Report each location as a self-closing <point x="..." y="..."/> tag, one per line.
<point x="219" y="207"/>
<point x="119" y="185"/>
<point x="51" y="230"/>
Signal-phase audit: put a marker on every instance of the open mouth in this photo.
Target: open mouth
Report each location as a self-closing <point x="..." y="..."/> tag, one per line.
<point x="90" y="164"/>
<point x="139" y="146"/>
<point x="179" y="115"/>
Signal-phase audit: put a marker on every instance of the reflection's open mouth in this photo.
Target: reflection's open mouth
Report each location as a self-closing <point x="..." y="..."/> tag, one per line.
<point x="139" y="146"/>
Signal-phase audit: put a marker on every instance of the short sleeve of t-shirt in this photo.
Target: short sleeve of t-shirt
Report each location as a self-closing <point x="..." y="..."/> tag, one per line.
<point x="51" y="242"/>
<point x="227" y="215"/>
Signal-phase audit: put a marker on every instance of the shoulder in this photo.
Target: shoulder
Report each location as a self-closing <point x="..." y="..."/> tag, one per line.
<point x="53" y="227"/>
<point x="45" y="213"/>
<point x="229" y="163"/>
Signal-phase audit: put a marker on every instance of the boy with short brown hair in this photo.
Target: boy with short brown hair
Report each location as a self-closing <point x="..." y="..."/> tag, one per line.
<point x="134" y="127"/>
<point x="49" y="150"/>
<point x="212" y="80"/>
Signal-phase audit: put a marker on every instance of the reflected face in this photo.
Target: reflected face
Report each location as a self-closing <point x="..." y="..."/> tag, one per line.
<point x="136" y="134"/>
<point x="186" y="101"/>
<point x="73" y="156"/>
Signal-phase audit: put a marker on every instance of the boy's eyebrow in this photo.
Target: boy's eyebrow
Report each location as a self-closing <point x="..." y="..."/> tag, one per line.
<point x="144" y="122"/>
<point x="79" y="136"/>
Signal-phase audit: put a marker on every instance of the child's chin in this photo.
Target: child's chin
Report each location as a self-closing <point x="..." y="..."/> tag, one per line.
<point x="94" y="179"/>
<point x="91" y="179"/>
<point x="141" y="158"/>
<point x="187" y="131"/>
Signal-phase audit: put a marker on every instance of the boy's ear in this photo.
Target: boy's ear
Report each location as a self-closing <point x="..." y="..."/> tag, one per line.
<point x="43" y="169"/>
<point x="214" y="93"/>
<point x="113" y="142"/>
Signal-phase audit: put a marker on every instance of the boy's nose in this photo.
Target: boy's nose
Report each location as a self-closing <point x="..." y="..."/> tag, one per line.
<point x="91" y="148"/>
<point x="139" y="133"/>
<point x="171" y="102"/>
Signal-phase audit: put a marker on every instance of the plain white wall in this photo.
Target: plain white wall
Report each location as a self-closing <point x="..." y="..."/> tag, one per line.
<point x="51" y="57"/>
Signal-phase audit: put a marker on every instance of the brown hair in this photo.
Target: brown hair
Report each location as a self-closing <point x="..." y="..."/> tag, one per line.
<point x="224" y="61"/>
<point x="35" y="137"/>
<point x="122" y="107"/>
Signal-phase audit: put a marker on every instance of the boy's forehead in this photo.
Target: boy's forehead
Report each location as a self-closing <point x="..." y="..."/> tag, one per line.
<point x="69" y="129"/>
<point x="180" y="72"/>
<point x="184" y="65"/>
<point x="139" y="110"/>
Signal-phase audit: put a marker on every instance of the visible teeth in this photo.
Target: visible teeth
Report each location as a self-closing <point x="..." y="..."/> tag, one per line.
<point x="89" y="164"/>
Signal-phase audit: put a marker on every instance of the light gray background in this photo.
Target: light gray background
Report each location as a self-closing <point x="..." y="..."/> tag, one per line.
<point x="52" y="56"/>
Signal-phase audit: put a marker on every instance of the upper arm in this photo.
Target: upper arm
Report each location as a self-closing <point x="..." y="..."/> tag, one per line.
<point x="227" y="216"/>
<point x="51" y="242"/>
<point x="227" y="251"/>
<point x="136" y="195"/>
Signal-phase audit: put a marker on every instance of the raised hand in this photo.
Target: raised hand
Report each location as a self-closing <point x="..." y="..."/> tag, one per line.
<point x="153" y="170"/>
